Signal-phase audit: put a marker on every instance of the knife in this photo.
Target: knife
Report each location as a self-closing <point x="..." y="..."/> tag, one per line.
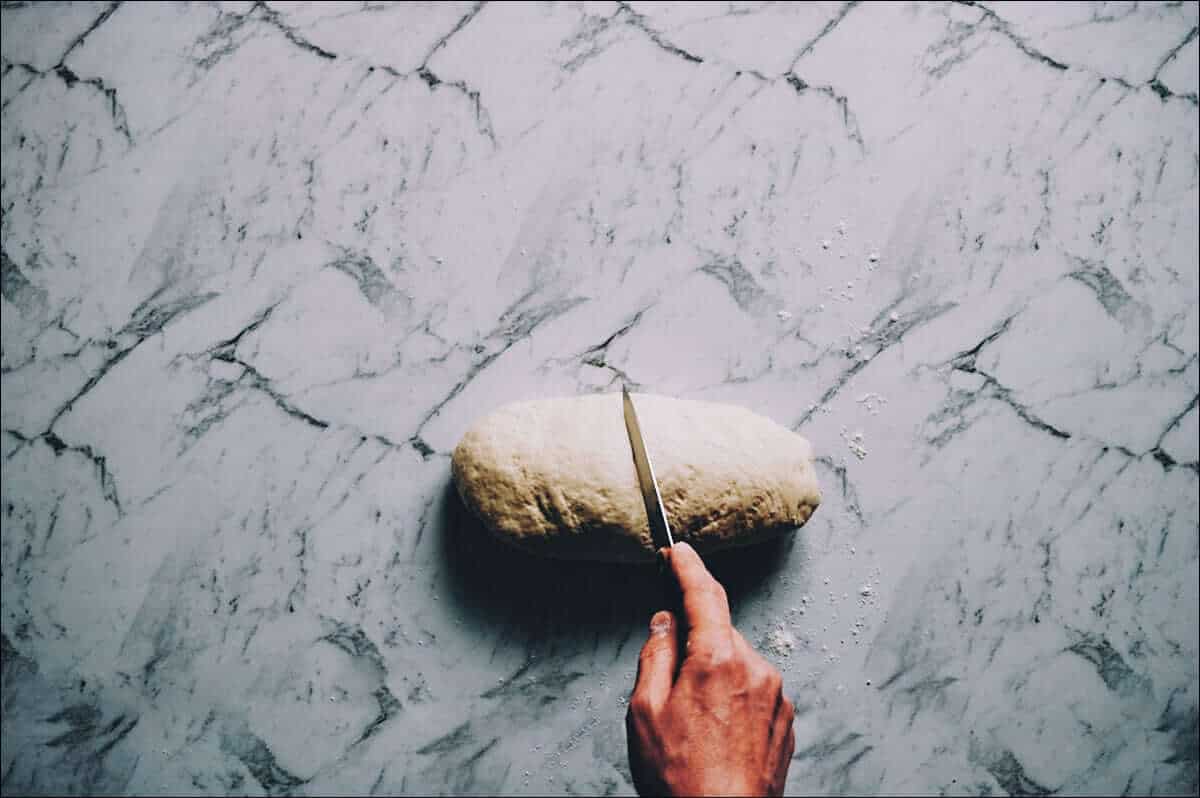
<point x="656" y="514"/>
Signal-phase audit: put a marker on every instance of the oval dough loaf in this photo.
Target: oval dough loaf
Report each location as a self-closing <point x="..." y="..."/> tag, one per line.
<point x="556" y="476"/>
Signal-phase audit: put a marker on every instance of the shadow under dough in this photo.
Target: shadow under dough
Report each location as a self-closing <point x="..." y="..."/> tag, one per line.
<point x="493" y="582"/>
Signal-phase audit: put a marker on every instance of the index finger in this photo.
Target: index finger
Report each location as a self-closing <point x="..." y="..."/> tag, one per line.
<point x="704" y="603"/>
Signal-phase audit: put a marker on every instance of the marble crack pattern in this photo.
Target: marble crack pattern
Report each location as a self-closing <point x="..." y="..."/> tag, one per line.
<point x="251" y="378"/>
<point x="108" y="485"/>
<point x="514" y="326"/>
<point x="255" y="380"/>
<point x="745" y="291"/>
<point x="424" y="72"/>
<point x="845" y="487"/>
<point x="258" y="758"/>
<point x="640" y="22"/>
<point x="826" y="748"/>
<point x="148" y="320"/>
<point x="96" y="23"/>
<point x="6" y="67"/>
<point x="992" y="388"/>
<point x="17" y="289"/>
<point x="1157" y="85"/>
<point x="64" y="73"/>
<point x="833" y="22"/>
<point x="483" y="119"/>
<point x="374" y="285"/>
<point x="597" y="355"/>
<point x="115" y="109"/>
<point x="1183" y="724"/>
<point x="1110" y="665"/>
<point x="1108" y="289"/>
<point x="225" y="350"/>
<point x="546" y="688"/>
<point x="883" y="339"/>
<point x="450" y="741"/>
<point x="1010" y="774"/>
<point x="1164" y="459"/>
<point x="463" y="21"/>
<point x="591" y="28"/>
<point x="83" y="720"/>
<point x="355" y="642"/>
<point x="1001" y="26"/>
<point x="273" y="18"/>
<point x="1004" y="28"/>
<point x="849" y="120"/>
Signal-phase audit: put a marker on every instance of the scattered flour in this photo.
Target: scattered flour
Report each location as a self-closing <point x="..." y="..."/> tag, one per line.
<point x="873" y="402"/>
<point x="780" y="641"/>
<point x="855" y="443"/>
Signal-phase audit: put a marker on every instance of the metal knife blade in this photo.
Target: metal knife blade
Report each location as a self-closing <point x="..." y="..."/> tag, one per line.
<point x="656" y="514"/>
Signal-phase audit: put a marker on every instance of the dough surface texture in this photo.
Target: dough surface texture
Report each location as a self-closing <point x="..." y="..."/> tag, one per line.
<point x="556" y="476"/>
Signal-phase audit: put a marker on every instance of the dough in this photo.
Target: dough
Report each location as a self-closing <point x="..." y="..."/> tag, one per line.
<point x="556" y="476"/>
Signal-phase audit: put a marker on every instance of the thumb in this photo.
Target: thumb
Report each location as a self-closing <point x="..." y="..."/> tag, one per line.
<point x="657" y="663"/>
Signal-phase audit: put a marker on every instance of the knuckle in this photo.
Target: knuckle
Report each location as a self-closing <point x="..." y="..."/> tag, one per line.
<point x="763" y="675"/>
<point x="640" y="706"/>
<point x="710" y="657"/>
<point x="635" y="725"/>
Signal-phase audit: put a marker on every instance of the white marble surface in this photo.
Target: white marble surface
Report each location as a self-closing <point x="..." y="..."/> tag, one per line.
<point x="263" y="264"/>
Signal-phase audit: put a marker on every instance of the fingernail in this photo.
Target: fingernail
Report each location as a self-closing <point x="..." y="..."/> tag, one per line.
<point x="660" y="624"/>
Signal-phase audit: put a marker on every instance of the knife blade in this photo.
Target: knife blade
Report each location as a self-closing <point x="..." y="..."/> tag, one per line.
<point x="656" y="514"/>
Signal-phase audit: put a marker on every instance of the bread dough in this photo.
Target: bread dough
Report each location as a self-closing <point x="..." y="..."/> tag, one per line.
<point x="556" y="476"/>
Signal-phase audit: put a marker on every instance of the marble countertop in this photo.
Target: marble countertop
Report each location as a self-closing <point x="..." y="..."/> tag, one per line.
<point x="263" y="263"/>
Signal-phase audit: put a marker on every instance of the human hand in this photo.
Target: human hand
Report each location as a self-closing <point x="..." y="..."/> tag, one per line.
<point x="707" y="716"/>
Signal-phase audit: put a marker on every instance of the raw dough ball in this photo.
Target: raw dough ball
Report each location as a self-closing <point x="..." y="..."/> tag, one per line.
<point x="556" y="476"/>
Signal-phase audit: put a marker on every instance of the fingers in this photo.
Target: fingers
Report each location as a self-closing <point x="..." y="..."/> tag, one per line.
<point x="783" y="741"/>
<point x="705" y="605"/>
<point x="789" y="747"/>
<point x="783" y="762"/>
<point x="784" y="722"/>
<point x="656" y="665"/>
<point x="769" y="681"/>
